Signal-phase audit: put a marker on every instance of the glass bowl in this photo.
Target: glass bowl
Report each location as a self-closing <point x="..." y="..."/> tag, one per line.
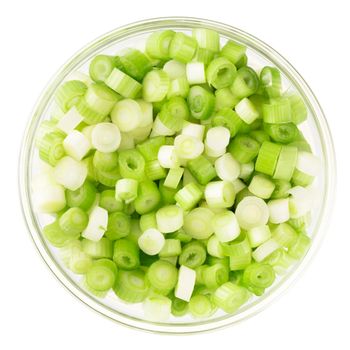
<point x="315" y="129"/>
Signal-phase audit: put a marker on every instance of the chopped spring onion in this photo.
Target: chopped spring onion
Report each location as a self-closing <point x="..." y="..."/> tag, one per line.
<point x="182" y="47"/>
<point x="195" y="73"/>
<point x="198" y="223"/>
<point x="178" y="176"/>
<point x="105" y="137"/>
<point x="251" y="212"/>
<point x="201" y="102"/>
<point x="220" y="73"/>
<point x="261" y="186"/>
<point x="219" y="194"/>
<point x="126" y="254"/>
<point x="185" y="283"/>
<point x="278" y="210"/>
<point x="97" y="226"/>
<point x="127" y="115"/>
<point x="119" y="225"/>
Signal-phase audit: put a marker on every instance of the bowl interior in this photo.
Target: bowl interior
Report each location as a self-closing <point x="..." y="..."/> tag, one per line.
<point x="260" y="55"/>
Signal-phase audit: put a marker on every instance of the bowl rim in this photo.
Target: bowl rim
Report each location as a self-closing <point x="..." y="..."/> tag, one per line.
<point x="267" y="52"/>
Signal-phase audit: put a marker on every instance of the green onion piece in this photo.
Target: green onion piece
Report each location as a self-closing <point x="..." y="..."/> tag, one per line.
<point x="216" y="141"/>
<point x="201" y="102"/>
<point x="123" y="84"/>
<point x="251" y="212"/>
<point x="178" y="307"/>
<point x="284" y="235"/>
<point x="299" y="249"/>
<point x="173" y="178"/>
<point x="265" y="250"/>
<point x="90" y="116"/>
<point x="261" y="186"/>
<point x="201" y="306"/>
<point x="279" y="210"/>
<point x="98" y="250"/>
<point x="245" y="83"/>
<point x="55" y="235"/>
<point x="286" y="163"/>
<point x="227" y="168"/>
<point x="214" y="247"/>
<point x="171" y="247"/>
<point x="127" y="115"/>
<point x="198" y="223"/>
<point x="173" y="113"/>
<point x="301" y="146"/>
<point x="149" y="148"/>
<point x="69" y="93"/>
<point x="280" y="261"/>
<point x="119" y="226"/>
<point x="225" y="226"/>
<point x="83" y="197"/>
<point x="267" y="158"/>
<point x="101" y="98"/>
<point x="126" y="190"/>
<point x="131" y="286"/>
<point x="167" y="193"/>
<point x="162" y="275"/>
<point x="154" y="171"/>
<point x="188" y="147"/>
<point x="73" y="221"/>
<point x="246" y="110"/>
<point x="148" y="221"/>
<point x="178" y="87"/>
<point x="229" y="119"/>
<point x="239" y="252"/>
<point x="203" y="55"/>
<point x="78" y="261"/>
<point x="277" y="111"/>
<point x="193" y="254"/>
<point x="207" y="39"/>
<point x="257" y="277"/>
<point x="169" y="218"/>
<point x="181" y="235"/>
<point x="151" y="241"/>
<point x="233" y="51"/>
<point x="108" y="178"/>
<point x="230" y="297"/>
<point x="51" y="148"/>
<point x="238" y="186"/>
<point x="258" y="235"/>
<point x="105" y="137"/>
<point x="298" y="107"/>
<point x="189" y="196"/>
<point x="243" y="148"/>
<point x="157" y="308"/>
<point x="282" y="133"/>
<point x="135" y="63"/>
<point x="105" y="161"/>
<point x="301" y="179"/>
<point x="221" y="73"/>
<point x="219" y="194"/>
<point x="271" y="82"/>
<point x="102" y="275"/>
<point x="76" y="145"/>
<point x="216" y="275"/>
<point x="148" y="197"/>
<point x="175" y="69"/>
<point x="126" y="254"/>
<point x="195" y="73"/>
<point x="131" y="164"/>
<point x="281" y="189"/>
<point x="185" y="283"/>
<point x="155" y="86"/>
<point x="167" y="157"/>
<point x="158" y="43"/>
<point x="109" y="202"/>
<point x="101" y="67"/>
<point x="202" y="170"/>
<point x="182" y="47"/>
<point x="225" y="99"/>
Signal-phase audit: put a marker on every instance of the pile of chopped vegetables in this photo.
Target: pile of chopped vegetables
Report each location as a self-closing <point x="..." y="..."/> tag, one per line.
<point x="178" y="177"/>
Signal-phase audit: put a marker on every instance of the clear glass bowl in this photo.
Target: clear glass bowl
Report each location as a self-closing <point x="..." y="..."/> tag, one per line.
<point x="260" y="54"/>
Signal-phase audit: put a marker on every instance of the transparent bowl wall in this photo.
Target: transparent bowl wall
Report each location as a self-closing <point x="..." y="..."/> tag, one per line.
<point x="315" y="129"/>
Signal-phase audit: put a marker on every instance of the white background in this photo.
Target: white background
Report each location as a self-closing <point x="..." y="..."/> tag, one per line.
<point x="36" y="38"/>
